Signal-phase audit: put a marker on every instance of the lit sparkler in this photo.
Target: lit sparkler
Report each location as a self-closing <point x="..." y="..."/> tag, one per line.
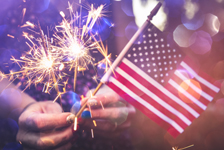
<point x="41" y="64"/>
<point x="76" y="41"/>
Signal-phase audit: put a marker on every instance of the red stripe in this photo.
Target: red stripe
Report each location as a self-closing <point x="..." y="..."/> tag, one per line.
<point x="202" y="74"/>
<point x="144" y="110"/>
<point x="192" y="105"/>
<point x="149" y="100"/>
<point x="154" y="90"/>
<point x="204" y="88"/>
<point x="201" y="99"/>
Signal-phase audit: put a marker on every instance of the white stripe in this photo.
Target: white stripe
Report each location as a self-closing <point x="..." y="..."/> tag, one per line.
<point x="195" y="88"/>
<point x="153" y="96"/>
<point x="147" y="105"/>
<point x="202" y="80"/>
<point x="192" y="98"/>
<point x="160" y="87"/>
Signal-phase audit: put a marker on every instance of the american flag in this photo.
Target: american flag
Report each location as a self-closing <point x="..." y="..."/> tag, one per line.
<point x="163" y="82"/>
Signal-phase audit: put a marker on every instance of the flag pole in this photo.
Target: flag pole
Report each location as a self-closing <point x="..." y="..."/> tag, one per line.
<point x="106" y="76"/>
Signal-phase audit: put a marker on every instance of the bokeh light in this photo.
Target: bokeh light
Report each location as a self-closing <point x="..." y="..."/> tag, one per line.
<point x="191" y="8"/>
<point x="211" y="24"/>
<point x="38" y="6"/>
<point x="126" y="6"/>
<point x="175" y="7"/>
<point x="187" y="86"/>
<point x="141" y="11"/>
<point x="182" y="36"/>
<point x="193" y="23"/>
<point x="202" y="42"/>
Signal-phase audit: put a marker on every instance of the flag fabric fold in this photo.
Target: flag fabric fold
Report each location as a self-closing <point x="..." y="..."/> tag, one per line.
<point x="163" y="83"/>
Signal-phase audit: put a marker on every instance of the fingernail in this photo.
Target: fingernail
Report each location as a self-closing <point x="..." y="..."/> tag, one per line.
<point x="86" y="114"/>
<point x="92" y="102"/>
<point x="70" y="118"/>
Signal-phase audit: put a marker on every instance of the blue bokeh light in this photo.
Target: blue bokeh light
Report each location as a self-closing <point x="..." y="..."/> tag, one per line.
<point x="193" y="24"/>
<point x="174" y="7"/>
<point x="38" y="6"/>
<point x="126" y="6"/>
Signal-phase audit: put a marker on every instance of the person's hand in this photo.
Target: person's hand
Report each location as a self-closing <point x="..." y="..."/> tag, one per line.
<point x="110" y="114"/>
<point x="43" y="126"/>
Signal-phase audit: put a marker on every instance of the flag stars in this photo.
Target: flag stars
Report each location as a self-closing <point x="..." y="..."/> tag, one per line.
<point x="156" y="40"/>
<point x="165" y="63"/>
<point x="161" y="75"/>
<point x="162" y="81"/>
<point x="168" y="51"/>
<point x="180" y="55"/>
<point x="159" y="63"/>
<point x="139" y="48"/>
<point x="153" y="58"/>
<point x="164" y="57"/>
<point x="150" y="41"/>
<point x="170" y="62"/>
<point x="134" y="54"/>
<point x="146" y="53"/>
<point x="155" y="70"/>
<point x="174" y="56"/>
<point x="134" y="49"/>
<point x="148" y="65"/>
<point x="162" y="45"/>
<point x="171" y="68"/>
<point x="142" y="65"/>
<point x="169" y="56"/>
<point x="175" y="61"/>
<point x="147" y="59"/>
<point x="158" y="52"/>
<point x="167" y="74"/>
<point x="152" y="53"/>
<point x="129" y="55"/>
<point x="155" y="75"/>
<point x="163" y="51"/>
<point x="158" y="58"/>
<point x="155" y="34"/>
<point x="136" y="60"/>
<point x="154" y="64"/>
<point x="141" y="60"/>
<point x="144" y="42"/>
<point x="140" y="54"/>
<point x="157" y="46"/>
<point x="139" y="42"/>
<point x="168" y="45"/>
<point x="174" y="50"/>
<point x="151" y="47"/>
<point x="160" y="69"/>
<point x="165" y="69"/>
<point x="161" y="40"/>
<point x="149" y="35"/>
<point x="145" y="47"/>
<point x="149" y="71"/>
<point x="143" y="36"/>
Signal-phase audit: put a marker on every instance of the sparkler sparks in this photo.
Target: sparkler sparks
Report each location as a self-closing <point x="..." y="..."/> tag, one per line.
<point x="69" y="48"/>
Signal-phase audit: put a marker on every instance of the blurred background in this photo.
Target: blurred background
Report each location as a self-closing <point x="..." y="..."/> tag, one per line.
<point x="196" y="26"/>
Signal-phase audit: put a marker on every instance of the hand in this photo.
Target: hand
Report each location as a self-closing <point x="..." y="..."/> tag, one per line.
<point x="43" y="126"/>
<point x="111" y="113"/>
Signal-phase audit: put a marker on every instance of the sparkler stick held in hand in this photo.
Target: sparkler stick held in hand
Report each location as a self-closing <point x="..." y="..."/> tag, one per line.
<point x="120" y="56"/>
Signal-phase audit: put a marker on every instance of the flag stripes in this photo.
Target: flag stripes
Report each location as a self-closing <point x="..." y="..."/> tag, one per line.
<point x="165" y="107"/>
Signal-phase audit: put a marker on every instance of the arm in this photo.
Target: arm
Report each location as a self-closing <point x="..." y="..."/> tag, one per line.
<point x="12" y="100"/>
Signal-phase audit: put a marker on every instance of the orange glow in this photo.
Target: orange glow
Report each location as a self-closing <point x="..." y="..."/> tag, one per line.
<point x="187" y="86"/>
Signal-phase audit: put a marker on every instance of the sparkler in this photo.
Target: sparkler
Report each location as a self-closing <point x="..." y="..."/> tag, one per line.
<point x="70" y="47"/>
<point x="76" y="42"/>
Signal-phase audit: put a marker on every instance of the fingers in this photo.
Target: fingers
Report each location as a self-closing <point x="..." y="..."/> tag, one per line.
<point x="46" y="140"/>
<point x="40" y="121"/>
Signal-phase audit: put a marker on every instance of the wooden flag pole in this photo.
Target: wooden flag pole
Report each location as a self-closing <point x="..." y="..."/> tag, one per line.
<point x="106" y="76"/>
